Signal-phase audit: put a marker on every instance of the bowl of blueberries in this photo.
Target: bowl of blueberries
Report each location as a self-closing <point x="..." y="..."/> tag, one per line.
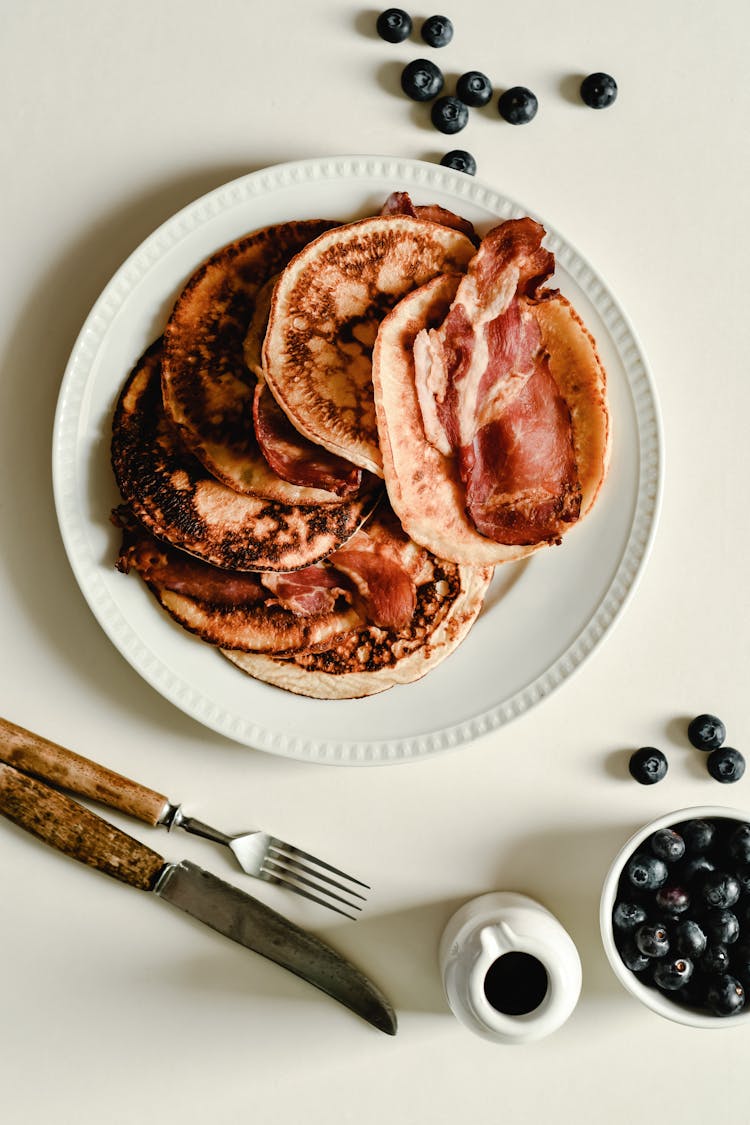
<point x="675" y="916"/>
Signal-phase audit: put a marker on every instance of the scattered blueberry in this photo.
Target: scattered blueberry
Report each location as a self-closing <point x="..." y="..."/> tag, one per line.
<point x="668" y="845"/>
<point x="449" y="115"/>
<point x="627" y="916"/>
<point x="706" y="732"/>
<point x="474" y="88"/>
<point x="460" y="161"/>
<point x="422" y="80"/>
<point x="518" y="105"/>
<point x="437" y="31"/>
<point x="672" y="900"/>
<point x="652" y="939"/>
<point x="726" y="996"/>
<point x="719" y="890"/>
<point x="721" y="926"/>
<point x="671" y="975"/>
<point x="394" y="25"/>
<point x="726" y="765"/>
<point x="647" y="872"/>
<point x="648" y="765"/>
<point x="598" y="90"/>
<point x="698" y="836"/>
<point x="689" y="939"/>
<point x="738" y="845"/>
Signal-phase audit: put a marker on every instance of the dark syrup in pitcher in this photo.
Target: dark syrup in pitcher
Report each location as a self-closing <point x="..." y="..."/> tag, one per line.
<point x="516" y="984"/>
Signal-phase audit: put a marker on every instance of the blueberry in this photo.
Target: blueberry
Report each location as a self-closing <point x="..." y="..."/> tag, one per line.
<point x="726" y="996"/>
<point x="518" y="105"/>
<point x="437" y="31"/>
<point x="740" y="961"/>
<point x="627" y="915"/>
<point x="695" y="867"/>
<point x="652" y="939"/>
<point x="673" y="900"/>
<point x="598" y="90"/>
<point x="726" y="765"/>
<point x="719" y="889"/>
<point x="689" y="939"/>
<point x="632" y="958"/>
<point x="698" y="836"/>
<point x="474" y="88"/>
<point x="460" y="161"/>
<point x="721" y="926"/>
<point x="421" y="80"/>
<point x="715" y="959"/>
<point x="706" y="732"/>
<point x="394" y="25"/>
<point x="670" y="975"/>
<point x="668" y="845"/>
<point x="738" y="845"/>
<point x="742" y="875"/>
<point x="449" y="115"/>
<point x="646" y="872"/>
<point x="648" y="765"/>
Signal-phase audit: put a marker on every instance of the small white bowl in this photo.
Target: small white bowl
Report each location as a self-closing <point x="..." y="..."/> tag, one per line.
<point x="653" y="999"/>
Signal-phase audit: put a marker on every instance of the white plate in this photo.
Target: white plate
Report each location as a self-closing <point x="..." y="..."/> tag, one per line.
<point x="542" y="617"/>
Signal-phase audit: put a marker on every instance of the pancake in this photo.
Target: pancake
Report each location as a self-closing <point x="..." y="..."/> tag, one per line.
<point x="177" y="500"/>
<point x="325" y="312"/>
<point x="424" y="484"/>
<point x="207" y="387"/>
<point x="222" y="607"/>
<point x="370" y="660"/>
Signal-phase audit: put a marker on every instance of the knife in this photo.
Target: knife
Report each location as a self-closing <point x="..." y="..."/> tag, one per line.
<point x="63" y="823"/>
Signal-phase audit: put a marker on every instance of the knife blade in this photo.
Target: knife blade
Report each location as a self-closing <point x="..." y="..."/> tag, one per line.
<point x="72" y="828"/>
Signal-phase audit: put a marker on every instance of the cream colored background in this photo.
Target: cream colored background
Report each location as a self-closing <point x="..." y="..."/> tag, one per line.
<point x="114" y="1009"/>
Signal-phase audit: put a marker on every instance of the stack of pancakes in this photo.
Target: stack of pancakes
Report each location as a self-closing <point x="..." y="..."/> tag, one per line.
<point x="343" y="429"/>
<point x="246" y="450"/>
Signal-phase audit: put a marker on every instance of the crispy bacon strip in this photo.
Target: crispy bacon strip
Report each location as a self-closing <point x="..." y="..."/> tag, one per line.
<point x="292" y="456"/>
<point x="400" y="203"/>
<point x="488" y="398"/>
<point x="165" y="566"/>
<point x="313" y="590"/>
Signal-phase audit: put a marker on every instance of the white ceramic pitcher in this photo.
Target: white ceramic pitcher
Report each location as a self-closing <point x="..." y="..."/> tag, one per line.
<point x="516" y="999"/>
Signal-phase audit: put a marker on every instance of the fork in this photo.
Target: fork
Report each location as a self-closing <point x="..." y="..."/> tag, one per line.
<point x="258" y="853"/>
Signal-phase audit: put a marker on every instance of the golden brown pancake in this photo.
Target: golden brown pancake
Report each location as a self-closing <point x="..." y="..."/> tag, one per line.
<point x="222" y="607"/>
<point x="177" y="500"/>
<point x="207" y="387"/>
<point x="325" y="312"/>
<point x="369" y="660"/>
<point x="424" y="485"/>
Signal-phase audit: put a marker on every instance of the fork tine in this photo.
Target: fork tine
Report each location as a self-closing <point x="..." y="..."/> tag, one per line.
<point x="290" y="850"/>
<point x="305" y="894"/>
<point x="294" y="865"/>
<point x="273" y="868"/>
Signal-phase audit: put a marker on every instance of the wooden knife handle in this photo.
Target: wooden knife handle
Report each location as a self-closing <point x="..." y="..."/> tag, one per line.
<point x="75" y="830"/>
<point x="33" y="754"/>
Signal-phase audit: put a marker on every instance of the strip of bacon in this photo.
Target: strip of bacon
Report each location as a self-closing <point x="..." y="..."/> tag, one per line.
<point x="165" y="566"/>
<point x="292" y="456"/>
<point x="400" y="203"/>
<point x="520" y="470"/>
<point x="313" y="590"/>
<point x="383" y="565"/>
<point x="488" y="398"/>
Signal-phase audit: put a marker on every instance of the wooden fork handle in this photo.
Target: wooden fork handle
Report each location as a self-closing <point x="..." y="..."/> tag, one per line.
<point x="35" y="755"/>
<point x="76" y="831"/>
